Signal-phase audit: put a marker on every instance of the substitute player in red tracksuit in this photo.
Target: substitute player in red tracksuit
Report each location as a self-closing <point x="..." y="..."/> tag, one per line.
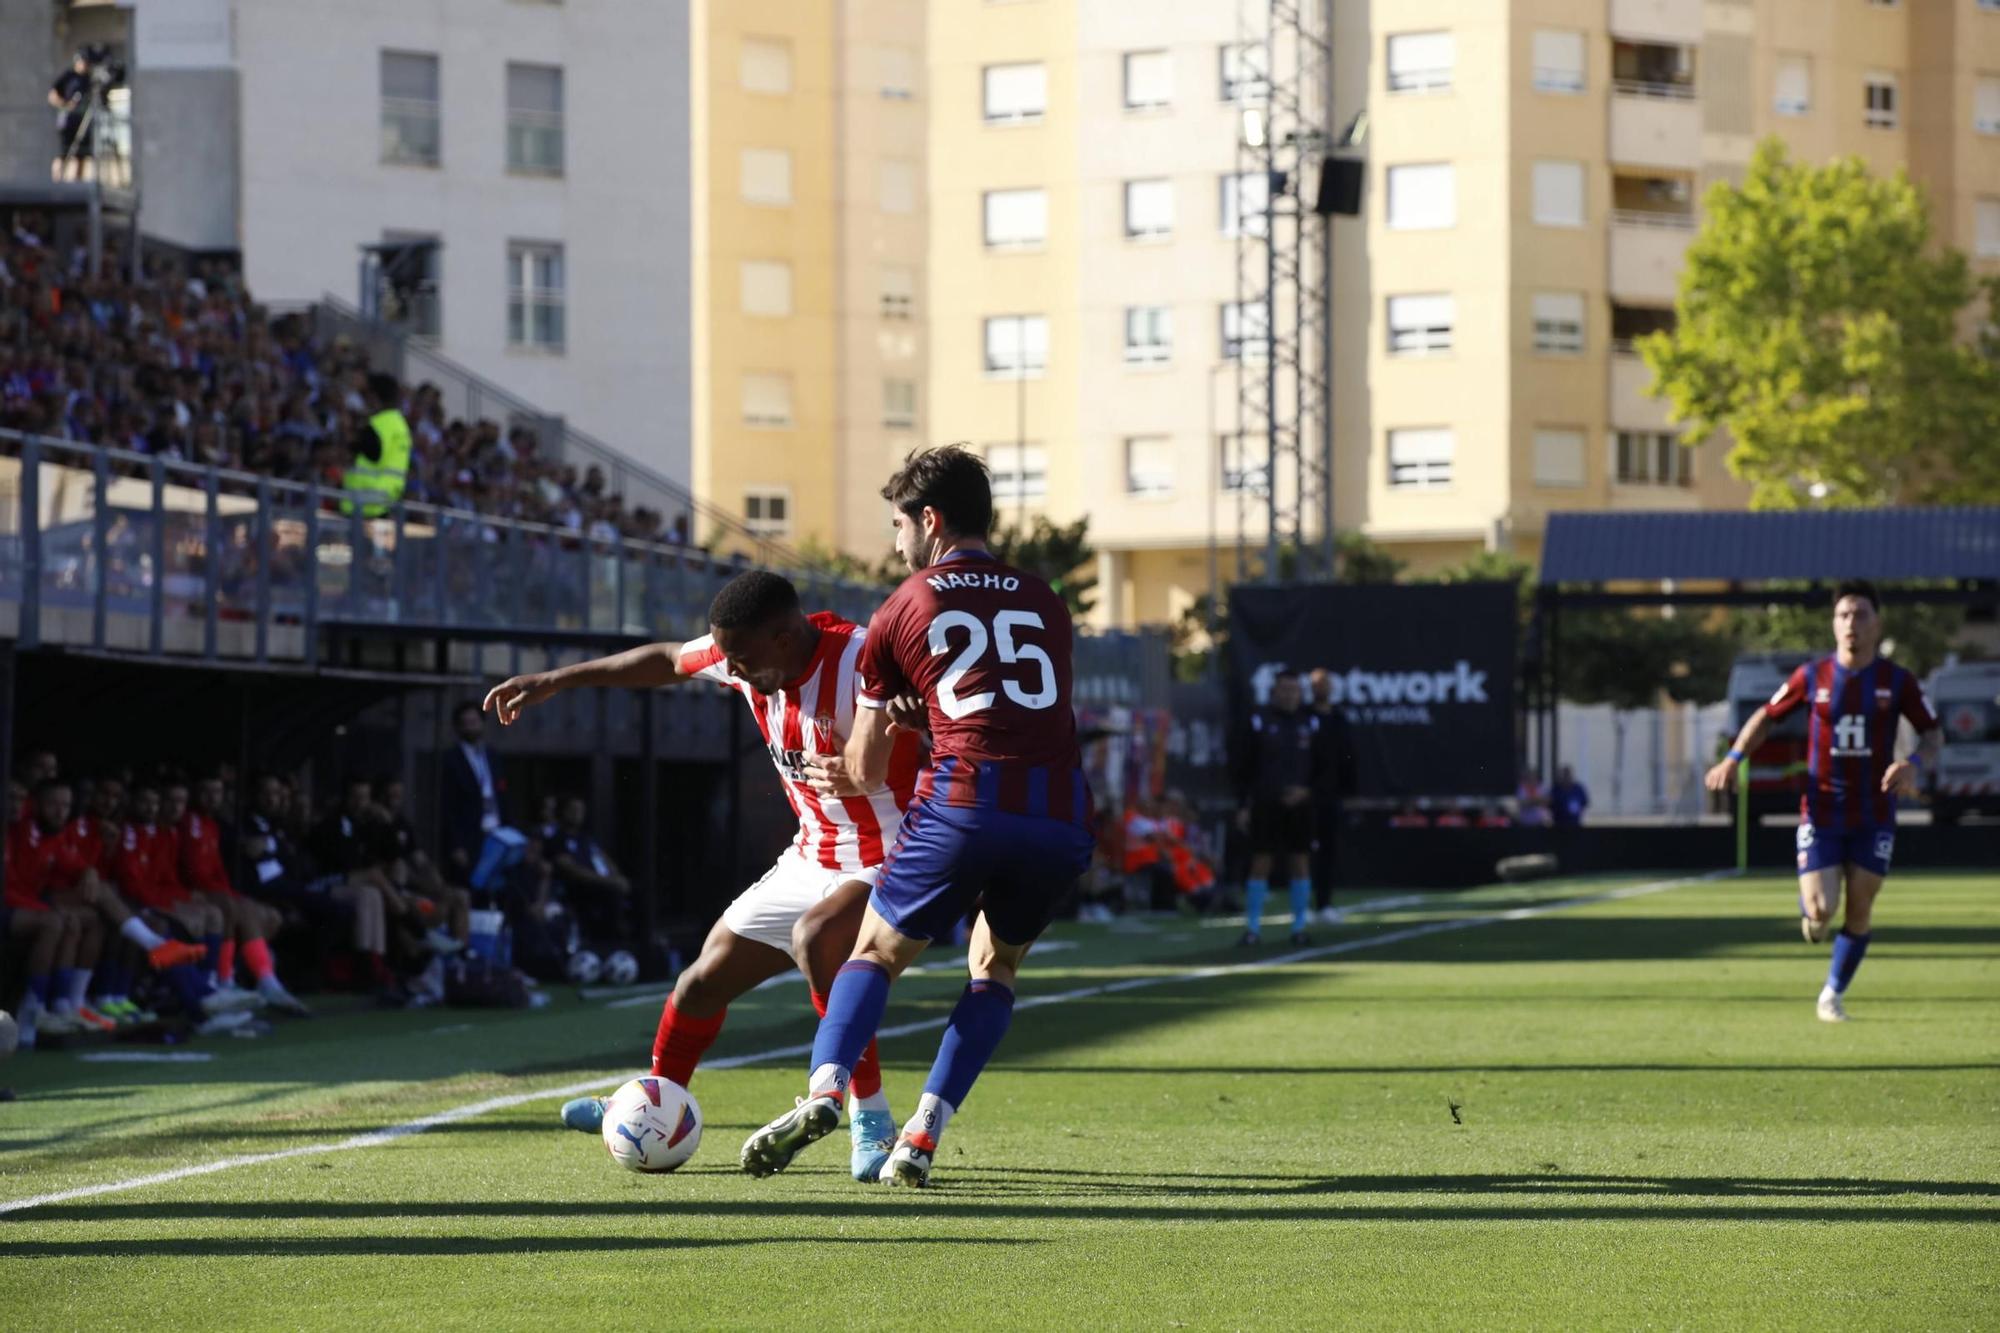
<point x="248" y="925"/>
<point x="1002" y="817"/>
<point x="1847" y="817"/>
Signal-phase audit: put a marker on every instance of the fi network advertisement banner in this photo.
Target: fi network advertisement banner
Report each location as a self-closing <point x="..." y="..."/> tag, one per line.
<point x="1423" y="672"/>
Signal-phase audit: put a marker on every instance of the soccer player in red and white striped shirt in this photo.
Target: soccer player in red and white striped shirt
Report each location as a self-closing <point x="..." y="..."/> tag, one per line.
<point x="798" y="674"/>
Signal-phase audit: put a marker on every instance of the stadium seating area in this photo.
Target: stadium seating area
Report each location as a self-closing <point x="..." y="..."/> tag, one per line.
<point x="185" y="365"/>
<point x="335" y="894"/>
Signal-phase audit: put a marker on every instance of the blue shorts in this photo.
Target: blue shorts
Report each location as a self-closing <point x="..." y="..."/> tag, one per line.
<point x="1016" y="869"/>
<point x="1868" y="848"/>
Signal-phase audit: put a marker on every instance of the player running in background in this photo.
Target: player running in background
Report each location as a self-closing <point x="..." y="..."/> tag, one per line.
<point x="1002" y="815"/>
<point x="798" y="673"/>
<point x="1847" y="819"/>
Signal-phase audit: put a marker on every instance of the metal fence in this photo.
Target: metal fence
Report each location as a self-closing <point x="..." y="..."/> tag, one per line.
<point x="109" y="549"/>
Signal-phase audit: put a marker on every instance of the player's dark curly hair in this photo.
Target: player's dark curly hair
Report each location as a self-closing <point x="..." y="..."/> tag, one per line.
<point x="754" y="598"/>
<point x="950" y="479"/>
<point x="1858" y="588"/>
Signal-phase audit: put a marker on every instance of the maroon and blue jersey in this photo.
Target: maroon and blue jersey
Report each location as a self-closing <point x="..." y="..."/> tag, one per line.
<point x="988" y="647"/>
<point x="1851" y="738"/>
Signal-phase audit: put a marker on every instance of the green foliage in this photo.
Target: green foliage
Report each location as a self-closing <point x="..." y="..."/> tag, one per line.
<point x="1058" y="552"/>
<point x="888" y="571"/>
<point x="1627" y="658"/>
<point x="1363" y="560"/>
<point x="1919" y="635"/>
<point x="1819" y="326"/>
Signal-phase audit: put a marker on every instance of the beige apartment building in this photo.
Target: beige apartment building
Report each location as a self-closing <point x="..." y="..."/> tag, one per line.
<point x="808" y="234"/>
<point x="1535" y="170"/>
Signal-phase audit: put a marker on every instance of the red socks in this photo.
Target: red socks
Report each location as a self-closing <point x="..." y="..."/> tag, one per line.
<point x="682" y="1041"/>
<point x="257" y="957"/>
<point x="865" y="1079"/>
<point x="225" y="963"/>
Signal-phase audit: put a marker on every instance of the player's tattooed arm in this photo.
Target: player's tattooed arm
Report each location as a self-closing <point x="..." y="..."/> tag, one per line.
<point x="647" y="667"/>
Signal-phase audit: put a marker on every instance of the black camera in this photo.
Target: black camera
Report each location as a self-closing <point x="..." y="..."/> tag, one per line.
<point x="103" y="72"/>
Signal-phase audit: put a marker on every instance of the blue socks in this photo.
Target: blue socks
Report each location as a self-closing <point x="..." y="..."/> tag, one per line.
<point x="977" y="1024"/>
<point x="1254" y="892"/>
<point x="1302" y="903"/>
<point x="1848" y="951"/>
<point x="854" y="1008"/>
<point x="63" y="984"/>
<point x="38" y="986"/>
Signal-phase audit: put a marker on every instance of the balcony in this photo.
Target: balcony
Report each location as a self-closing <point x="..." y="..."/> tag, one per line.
<point x="1655" y="125"/>
<point x="1660" y="20"/>
<point x="1647" y="250"/>
<point x="1631" y="409"/>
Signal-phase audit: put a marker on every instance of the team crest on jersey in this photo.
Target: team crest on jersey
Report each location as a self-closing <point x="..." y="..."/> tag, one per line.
<point x="1822" y="696"/>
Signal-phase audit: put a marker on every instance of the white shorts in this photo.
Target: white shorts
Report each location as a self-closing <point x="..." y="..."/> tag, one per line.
<point x="767" y="910"/>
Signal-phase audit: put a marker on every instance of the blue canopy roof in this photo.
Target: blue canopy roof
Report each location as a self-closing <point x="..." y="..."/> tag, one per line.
<point x="1886" y="545"/>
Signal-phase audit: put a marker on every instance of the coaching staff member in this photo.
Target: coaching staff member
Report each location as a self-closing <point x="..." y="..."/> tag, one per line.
<point x="1281" y="761"/>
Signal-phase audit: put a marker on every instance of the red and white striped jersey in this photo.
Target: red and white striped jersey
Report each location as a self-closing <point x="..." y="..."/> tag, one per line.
<point x="812" y="717"/>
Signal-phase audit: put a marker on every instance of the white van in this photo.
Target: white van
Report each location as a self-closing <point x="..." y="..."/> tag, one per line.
<point x="1966" y="698"/>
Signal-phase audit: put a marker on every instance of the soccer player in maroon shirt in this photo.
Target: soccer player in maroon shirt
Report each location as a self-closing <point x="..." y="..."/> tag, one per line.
<point x="1001" y="820"/>
<point x="1847" y="817"/>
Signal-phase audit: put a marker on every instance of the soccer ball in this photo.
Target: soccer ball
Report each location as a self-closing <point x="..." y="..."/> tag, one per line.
<point x="584" y="967"/>
<point x="621" y="969"/>
<point x="651" y="1124"/>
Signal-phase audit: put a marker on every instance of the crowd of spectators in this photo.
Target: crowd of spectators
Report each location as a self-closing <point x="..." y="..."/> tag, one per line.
<point x="183" y="364"/>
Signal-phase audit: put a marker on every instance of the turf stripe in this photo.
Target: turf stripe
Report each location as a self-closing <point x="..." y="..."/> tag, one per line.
<point x="392" y="1133"/>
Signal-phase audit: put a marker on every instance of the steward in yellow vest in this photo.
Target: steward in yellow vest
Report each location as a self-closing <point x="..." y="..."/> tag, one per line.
<point x="381" y="466"/>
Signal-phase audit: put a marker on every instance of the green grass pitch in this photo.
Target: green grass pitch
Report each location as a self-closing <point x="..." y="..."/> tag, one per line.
<point x="1651" y="1130"/>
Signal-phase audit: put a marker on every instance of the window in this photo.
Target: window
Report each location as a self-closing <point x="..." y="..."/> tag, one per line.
<point x="1654" y="458"/>
<point x="899" y="292"/>
<point x="767" y="176"/>
<point x="1149" y="208"/>
<point x="1244" y="201"/>
<point x="1017" y="345"/>
<point x="766" y="287"/>
<point x="1016" y="218"/>
<point x="1019" y="472"/>
<point x="1421" y="62"/>
<point x="899" y="403"/>
<point x="1420" y="325"/>
<point x="896" y="186"/>
<point x="1986" y="104"/>
<point x="1881" y="102"/>
<point x="1559" y="194"/>
<point x="1558" y="57"/>
<point x="535" y="119"/>
<point x="765" y="66"/>
<point x="535" y="316"/>
<point x="899" y="73"/>
<point x="1245" y="464"/>
<point x="1016" y="94"/>
<point x="1629" y="323"/>
<point x="1246" y="69"/>
<point x="1791" y="94"/>
<point x="1986" y="228"/>
<point x="1149" y="335"/>
<point x="408" y="275"/>
<point x="1246" y="331"/>
<point x="1422" y="197"/>
<point x="1558" y="323"/>
<point x="409" y="109"/>
<point x="1149" y="80"/>
<point x="1420" y="458"/>
<point x="767" y="400"/>
<point x="1149" y="466"/>
<point x="767" y="512"/>
<point x="1558" y="457"/>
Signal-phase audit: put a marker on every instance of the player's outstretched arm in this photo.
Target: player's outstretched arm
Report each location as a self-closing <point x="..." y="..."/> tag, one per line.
<point x="644" y="668"/>
<point x="1722" y="777"/>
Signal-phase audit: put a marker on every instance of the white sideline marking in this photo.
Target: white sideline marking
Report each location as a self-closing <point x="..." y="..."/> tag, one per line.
<point x="376" y="1138"/>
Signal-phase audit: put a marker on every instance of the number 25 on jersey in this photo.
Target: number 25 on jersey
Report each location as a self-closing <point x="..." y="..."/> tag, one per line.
<point x="977" y="641"/>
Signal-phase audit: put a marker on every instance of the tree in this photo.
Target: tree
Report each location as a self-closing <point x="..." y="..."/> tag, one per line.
<point x="888" y="571"/>
<point x="1918" y="635"/>
<point x="1058" y="552"/>
<point x="1819" y="325"/>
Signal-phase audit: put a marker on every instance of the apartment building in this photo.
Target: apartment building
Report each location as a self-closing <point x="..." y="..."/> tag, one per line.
<point x="809" y="142"/>
<point x="1535" y="170"/>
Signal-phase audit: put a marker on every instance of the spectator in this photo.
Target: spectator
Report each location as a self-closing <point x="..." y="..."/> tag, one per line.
<point x="1531" y="803"/>
<point x="355" y="850"/>
<point x="470" y="788"/>
<point x="590" y="880"/>
<point x="414" y="872"/>
<point x="1569" y="798"/>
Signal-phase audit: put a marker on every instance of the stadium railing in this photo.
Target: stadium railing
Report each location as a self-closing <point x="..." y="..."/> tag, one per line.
<point x="121" y="551"/>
